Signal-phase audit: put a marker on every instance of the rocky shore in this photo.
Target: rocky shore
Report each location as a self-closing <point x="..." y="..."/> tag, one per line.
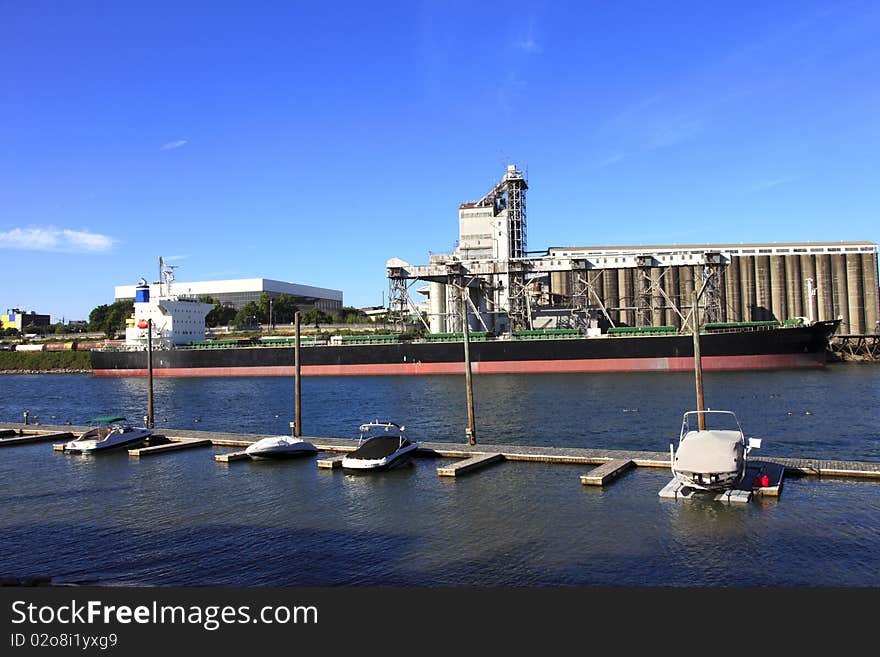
<point x="50" y="371"/>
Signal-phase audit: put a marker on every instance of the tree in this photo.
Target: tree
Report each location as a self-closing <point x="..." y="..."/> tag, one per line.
<point x="98" y="317"/>
<point x="265" y="306"/>
<point x="350" y="315"/>
<point x="221" y="315"/>
<point x="283" y="309"/>
<point x="110" y="319"/>
<point x="315" y="316"/>
<point x="247" y="315"/>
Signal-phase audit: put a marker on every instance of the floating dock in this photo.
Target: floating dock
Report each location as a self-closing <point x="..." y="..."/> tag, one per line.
<point x="761" y="479"/>
<point x="173" y="446"/>
<point x="610" y="463"/>
<point x="331" y="463"/>
<point x="26" y="438"/>
<point x="606" y="472"/>
<point x="231" y="457"/>
<point x="469" y="465"/>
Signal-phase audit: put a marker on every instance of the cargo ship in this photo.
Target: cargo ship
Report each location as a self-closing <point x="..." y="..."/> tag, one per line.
<point x="742" y="346"/>
<point x="172" y="328"/>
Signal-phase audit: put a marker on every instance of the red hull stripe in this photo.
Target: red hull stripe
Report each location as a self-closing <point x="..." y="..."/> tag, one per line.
<point x="678" y="364"/>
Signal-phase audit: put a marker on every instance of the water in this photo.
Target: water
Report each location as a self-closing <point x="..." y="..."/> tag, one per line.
<point x="183" y="519"/>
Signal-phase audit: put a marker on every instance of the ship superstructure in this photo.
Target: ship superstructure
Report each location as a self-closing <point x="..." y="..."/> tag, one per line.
<point x="176" y="319"/>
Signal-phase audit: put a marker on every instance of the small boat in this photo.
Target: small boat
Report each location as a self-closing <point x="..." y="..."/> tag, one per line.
<point x="711" y="459"/>
<point x="382" y="445"/>
<point x="111" y="432"/>
<point x="280" y="447"/>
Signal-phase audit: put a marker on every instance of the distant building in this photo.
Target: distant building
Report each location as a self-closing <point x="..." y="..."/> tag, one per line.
<point x="23" y="321"/>
<point x="237" y="293"/>
<point x="375" y="313"/>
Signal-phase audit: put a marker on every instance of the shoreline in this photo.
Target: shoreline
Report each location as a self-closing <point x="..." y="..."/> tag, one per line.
<point x="50" y="371"/>
<point x="832" y="359"/>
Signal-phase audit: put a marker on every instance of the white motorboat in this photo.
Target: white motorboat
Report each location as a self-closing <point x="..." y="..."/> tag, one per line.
<point x="382" y="445"/>
<point x="280" y="447"/>
<point x="111" y="432"/>
<point x="711" y="459"/>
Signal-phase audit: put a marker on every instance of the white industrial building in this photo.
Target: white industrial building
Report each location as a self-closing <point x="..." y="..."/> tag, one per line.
<point x="238" y="292"/>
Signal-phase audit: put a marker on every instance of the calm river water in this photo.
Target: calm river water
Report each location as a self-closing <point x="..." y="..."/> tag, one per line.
<point x="182" y="519"/>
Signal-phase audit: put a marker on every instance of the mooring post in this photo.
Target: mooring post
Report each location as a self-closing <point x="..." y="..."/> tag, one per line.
<point x="150" y="373"/>
<point x="297" y="389"/>
<point x="698" y="365"/>
<point x="471" y="430"/>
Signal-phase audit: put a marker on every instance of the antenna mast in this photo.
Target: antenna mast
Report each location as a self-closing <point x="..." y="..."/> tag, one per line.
<point x="166" y="276"/>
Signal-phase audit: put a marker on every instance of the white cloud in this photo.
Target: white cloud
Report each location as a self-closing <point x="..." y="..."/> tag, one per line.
<point x="529" y="45"/>
<point x="55" y="239"/>
<point x="769" y="184"/>
<point x="674" y="131"/>
<point x="171" y="145"/>
<point x="610" y="160"/>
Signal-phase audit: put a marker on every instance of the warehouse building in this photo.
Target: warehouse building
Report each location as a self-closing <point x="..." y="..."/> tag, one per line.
<point x="23" y="321"/>
<point x="239" y="292"/>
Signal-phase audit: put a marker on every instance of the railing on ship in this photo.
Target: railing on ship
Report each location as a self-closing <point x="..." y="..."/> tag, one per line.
<point x="712" y="327"/>
<point x="475" y="336"/>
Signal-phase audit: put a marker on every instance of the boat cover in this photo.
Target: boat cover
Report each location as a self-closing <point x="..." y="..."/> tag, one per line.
<point x="378" y="447"/>
<point x="275" y="443"/>
<point x="710" y="451"/>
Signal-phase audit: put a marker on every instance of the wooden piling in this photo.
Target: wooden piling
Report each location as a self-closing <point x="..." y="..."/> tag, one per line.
<point x="471" y="428"/>
<point x="150" y="423"/>
<point x="297" y="386"/>
<point x="698" y="365"/>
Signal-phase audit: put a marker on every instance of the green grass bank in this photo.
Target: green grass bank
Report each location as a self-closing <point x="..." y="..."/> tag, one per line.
<point x="45" y="361"/>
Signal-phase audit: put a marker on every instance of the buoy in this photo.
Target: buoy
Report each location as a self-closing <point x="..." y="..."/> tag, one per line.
<point x="765" y="481"/>
<point x="142" y="323"/>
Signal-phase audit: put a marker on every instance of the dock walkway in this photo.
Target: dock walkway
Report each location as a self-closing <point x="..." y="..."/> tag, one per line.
<point x="538" y="454"/>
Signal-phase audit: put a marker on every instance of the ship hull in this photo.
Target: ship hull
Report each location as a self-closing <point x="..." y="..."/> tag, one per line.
<point x="799" y="347"/>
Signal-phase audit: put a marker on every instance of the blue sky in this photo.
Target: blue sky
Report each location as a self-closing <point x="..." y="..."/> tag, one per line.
<point x="311" y="142"/>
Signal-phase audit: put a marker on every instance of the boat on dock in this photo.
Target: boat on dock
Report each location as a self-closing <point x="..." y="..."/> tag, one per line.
<point x="111" y="432"/>
<point x="711" y="459"/>
<point x="382" y="445"/>
<point x="280" y="447"/>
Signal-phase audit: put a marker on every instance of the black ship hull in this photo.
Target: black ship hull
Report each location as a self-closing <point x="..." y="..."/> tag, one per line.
<point x="764" y="348"/>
